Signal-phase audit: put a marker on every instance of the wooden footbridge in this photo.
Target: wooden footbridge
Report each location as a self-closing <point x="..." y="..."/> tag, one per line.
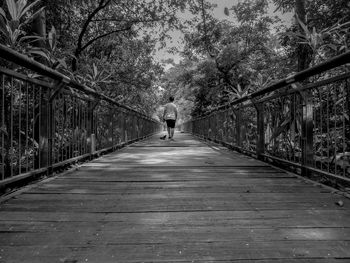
<point x="212" y="195"/>
<point x="175" y="201"/>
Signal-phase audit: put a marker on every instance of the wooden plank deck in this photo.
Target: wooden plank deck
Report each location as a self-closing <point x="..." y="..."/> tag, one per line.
<point x="182" y="201"/>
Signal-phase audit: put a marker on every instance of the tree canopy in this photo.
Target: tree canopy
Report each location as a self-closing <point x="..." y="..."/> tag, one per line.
<point x="232" y="59"/>
<point x="109" y="45"/>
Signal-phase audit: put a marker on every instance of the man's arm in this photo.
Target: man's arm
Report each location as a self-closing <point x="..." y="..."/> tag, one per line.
<point x="164" y="113"/>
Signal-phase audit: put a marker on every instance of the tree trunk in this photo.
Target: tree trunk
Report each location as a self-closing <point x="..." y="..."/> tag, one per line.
<point x="304" y="52"/>
<point x="39" y="28"/>
<point x="75" y="62"/>
<point x="41" y="125"/>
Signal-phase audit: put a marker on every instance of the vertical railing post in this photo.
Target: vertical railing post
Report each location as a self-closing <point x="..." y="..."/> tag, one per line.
<point x="90" y="127"/>
<point x="307" y="134"/>
<point x="238" y="125"/>
<point x="138" y="127"/>
<point x="44" y="120"/>
<point x="214" y="127"/>
<point x="209" y="123"/>
<point x="260" y="143"/>
<point x="111" y="115"/>
<point x="198" y="126"/>
<point x="51" y="134"/>
<point x="51" y="95"/>
<point x="125" y="126"/>
<point x="133" y="126"/>
<point x="119" y="124"/>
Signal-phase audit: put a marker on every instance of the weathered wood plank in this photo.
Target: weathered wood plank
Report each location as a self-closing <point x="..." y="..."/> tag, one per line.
<point x="288" y="197"/>
<point x="170" y="252"/>
<point x="145" y="235"/>
<point x="182" y="201"/>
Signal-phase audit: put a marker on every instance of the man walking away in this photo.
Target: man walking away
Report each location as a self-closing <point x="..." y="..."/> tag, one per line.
<point x="170" y="116"/>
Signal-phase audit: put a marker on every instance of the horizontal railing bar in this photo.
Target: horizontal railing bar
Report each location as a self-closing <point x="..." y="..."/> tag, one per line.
<point x="330" y="175"/>
<point x="307" y="87"/>
<point x="18" y="75"/>
<point x="325" y="82"/>
<point x="298" y="165"/>
<point x="71" y="160"/>
<point x="23" y="77"/>
<point x="22" y="176"/>
<point x="68" y="92"/>
<point x="22" y="60"/>
<point x="276" y="96"/>
<point x="300" y="76"/>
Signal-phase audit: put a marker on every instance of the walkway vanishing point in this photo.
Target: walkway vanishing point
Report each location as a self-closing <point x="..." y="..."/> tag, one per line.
<point x="182" y="201"/>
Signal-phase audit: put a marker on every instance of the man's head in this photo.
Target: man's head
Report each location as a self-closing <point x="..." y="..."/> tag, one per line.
<point x="171" y="98"/>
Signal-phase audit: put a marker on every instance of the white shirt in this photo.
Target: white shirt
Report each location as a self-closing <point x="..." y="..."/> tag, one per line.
<point x="170" y="111"/>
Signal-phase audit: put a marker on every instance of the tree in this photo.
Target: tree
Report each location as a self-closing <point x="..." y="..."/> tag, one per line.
<point x="304" y="52"/>
<point x="232" y="54"/>
<point x="91" y="21"/>
<point x="18" y="15"/>
<point x="321" y="30"/>
<point x="118" y="37"/>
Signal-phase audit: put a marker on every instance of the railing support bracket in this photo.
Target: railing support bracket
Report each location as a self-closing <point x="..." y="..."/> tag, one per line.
<point x="57" y="88"/>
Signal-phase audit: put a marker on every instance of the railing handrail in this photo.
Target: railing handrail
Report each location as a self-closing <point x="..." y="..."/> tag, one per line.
<point x="300" y="76"/>
<point x="52" y="121"/>
<point x="305" y="129"/>
<point x="24" y="61"/>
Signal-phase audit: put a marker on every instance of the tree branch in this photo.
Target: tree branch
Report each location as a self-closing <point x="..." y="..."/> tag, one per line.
<point x="206" y="39"/>
<point x="136" y="21"/>
<point x="104" y="35"/>
<point x="102" y="4"/>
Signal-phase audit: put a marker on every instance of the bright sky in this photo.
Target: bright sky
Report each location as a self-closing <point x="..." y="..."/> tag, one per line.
<point x="218" y="12"/>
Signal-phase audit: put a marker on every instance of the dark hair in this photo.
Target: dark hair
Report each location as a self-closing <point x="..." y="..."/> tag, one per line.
<point x="171" y="98"/>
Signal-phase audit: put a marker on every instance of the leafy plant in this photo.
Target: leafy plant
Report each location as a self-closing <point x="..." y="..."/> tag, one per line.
<point x="96" y="76"/>
<point x="49" y="53"/>
<point x="240" y="92"/>
<point x="12" y="27"/>
<point x="333" y="37"/>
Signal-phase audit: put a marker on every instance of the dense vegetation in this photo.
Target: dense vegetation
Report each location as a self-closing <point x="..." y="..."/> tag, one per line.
<point x="109" y="45"/>
<point x="224" y="60"/>
<point x="105" y="44"/>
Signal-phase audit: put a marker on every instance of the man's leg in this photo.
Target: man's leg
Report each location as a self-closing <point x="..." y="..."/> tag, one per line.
<point x="169" y="132"/>
<point x="172" y="132"/>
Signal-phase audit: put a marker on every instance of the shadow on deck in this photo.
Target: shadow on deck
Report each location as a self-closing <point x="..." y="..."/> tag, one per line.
<point x="181" y="201"/>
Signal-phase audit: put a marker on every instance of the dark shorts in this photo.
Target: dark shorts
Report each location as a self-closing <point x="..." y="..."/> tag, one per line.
<point x="170" y="123"/>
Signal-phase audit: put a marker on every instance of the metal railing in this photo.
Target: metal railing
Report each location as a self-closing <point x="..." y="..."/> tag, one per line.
<point x="54" y="121"/>
<point x="301" y="122"/>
